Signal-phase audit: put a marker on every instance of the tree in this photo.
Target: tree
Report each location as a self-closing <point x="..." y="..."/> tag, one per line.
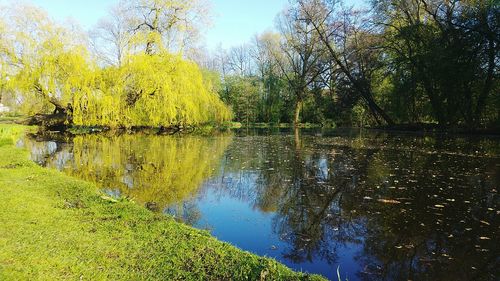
<point x="300" y="57"/>
<point x="160" y="90"/>
<point x="242" y="93"/>
<point x="49" y="69"/>
<point x="445" y="53"/>
<point x="240" y="60"/>
<point x="273" y="84"/>
<point x="343" y="32"/>
<point x="111" y="38"/>
<point x="173" y="25"/>
<point x="5" y="55"/>
<point x="45" y="63"/>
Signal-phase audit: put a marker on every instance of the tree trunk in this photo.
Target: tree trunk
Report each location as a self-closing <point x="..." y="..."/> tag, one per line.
<point x="488" y="85"/>
<point x="363" y="88"/>
<point x="298" y="108"/>
<point x="377" y="111"/>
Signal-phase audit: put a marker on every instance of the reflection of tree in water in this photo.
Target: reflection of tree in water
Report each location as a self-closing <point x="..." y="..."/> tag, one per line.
<point x="152" y="170"/>
<point x="303" y="185"/>
<point x="310" y="215"/>
<point x="421" y="208"/>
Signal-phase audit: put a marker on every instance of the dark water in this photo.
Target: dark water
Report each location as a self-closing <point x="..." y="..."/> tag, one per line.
<point x="378" y="206"/>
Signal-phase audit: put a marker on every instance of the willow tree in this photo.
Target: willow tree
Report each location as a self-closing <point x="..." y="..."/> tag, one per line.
<point x="161" y="90"/>
<point x="45" y="64"/>
<point x="173" y="25"/>
<point x="4" y="58"/>
<point x="148" y="85"/>
<point x="46" y="68"/>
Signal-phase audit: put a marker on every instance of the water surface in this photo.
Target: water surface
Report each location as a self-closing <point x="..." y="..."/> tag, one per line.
<point x="378" y="206"/>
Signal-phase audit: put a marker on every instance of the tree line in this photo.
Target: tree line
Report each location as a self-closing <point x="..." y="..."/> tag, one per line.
<point x="391" y="62"/>
<point x="130" y="71"/>
<point x="388" y="63"/>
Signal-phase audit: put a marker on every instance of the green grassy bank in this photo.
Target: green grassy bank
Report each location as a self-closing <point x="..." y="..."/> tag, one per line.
<point x="55" y="227"/>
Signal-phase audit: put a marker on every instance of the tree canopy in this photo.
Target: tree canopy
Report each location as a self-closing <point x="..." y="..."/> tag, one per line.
<point x="395" y="62"/>
<point x="48" y="67"/>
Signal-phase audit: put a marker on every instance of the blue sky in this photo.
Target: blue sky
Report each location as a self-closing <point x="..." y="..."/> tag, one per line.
<point x="235" y="21"/>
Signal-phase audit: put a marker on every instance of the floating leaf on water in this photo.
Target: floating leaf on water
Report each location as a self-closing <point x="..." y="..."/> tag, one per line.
<point x="389" y="201"/>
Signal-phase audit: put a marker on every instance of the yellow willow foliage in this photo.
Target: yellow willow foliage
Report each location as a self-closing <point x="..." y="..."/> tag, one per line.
<point x="58" y="77"/>
<point x="160" y="169"/>
<point x="151" y="90"/>
<point x="42" y="63"/>
<point x="5" y="53"/>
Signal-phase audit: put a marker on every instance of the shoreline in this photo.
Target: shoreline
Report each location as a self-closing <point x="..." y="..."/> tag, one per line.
<point x="54" y="226"/>
<point x="420" y="128"/>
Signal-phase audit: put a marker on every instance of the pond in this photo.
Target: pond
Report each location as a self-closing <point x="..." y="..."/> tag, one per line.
<point x="374" y="205"/>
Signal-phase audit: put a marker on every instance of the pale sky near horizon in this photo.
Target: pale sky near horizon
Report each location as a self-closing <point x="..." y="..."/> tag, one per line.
<point x="235" y="21"/>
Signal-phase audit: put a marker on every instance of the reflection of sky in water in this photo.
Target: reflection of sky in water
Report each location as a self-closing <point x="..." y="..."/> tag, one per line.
<point x="380" y="207"/>
<point x="59" y="159"/>
<point x="231" y="216"/>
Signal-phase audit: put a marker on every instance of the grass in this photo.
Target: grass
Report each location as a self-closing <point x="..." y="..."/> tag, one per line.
<point x="55" y="227"/>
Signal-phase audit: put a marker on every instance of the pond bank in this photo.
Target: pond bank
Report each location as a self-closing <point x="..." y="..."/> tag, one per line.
<point x="53" y="226"/>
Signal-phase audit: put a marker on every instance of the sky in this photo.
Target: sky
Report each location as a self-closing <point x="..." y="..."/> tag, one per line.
<point x="235" y="21"/>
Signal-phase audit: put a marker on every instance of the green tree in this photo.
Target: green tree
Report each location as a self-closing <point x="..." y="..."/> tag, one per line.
<point x="348" y="40"/>
<point x="300" y="56"/>
<point x="443" y="59"/>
